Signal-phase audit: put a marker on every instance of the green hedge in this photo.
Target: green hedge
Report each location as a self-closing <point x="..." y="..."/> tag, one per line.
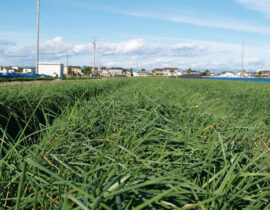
<point x="22" y="79"/>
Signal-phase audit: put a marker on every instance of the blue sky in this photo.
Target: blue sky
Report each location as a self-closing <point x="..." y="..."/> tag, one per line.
<point x="153" y="33"/>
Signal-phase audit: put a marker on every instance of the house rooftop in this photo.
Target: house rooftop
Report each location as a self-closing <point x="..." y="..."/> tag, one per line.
<point x="165" y="69"/>
<point x="117" y="68"/>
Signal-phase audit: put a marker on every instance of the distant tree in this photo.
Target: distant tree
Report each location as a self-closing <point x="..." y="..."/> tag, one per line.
<point x="260" y="74"/>
<point x="131" y="71"/>
<point x="224" y="72"/>
<point x="206" y="72"/>
<point x="154" y="71"/>
<point x="171" y="71"/>
<point x="189" y="70"/>
<point x="87" y="70"/>
<point x="20" y="69"/>
<point x="143" y="70"/>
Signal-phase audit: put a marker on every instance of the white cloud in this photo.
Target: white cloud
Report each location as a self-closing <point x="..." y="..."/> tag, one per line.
<point x="195" y="54"/>
<point x="57" y="48"/>
<point x="5" y="43"/>
<point x="212" y="22"/>
<point x="128" y="47"/>
<point x="262" y="6"/>
<point x="202" y="19"/>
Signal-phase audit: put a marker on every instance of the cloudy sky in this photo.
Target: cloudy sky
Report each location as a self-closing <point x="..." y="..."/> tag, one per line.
<point x="153" y="33"/>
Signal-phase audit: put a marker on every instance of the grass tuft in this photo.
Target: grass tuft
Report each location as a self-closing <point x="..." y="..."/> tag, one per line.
<point x="135" y="143"/>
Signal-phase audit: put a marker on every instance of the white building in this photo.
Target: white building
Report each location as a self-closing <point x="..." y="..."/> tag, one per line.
<point x="4" y="70"/>
<point x="15" y="68"/>
<point x="76" y="70"/>
<point x="51" y="69"/>
<point x="166" y="72"/>
<point x="66" y="70"/>
<point x="242" y="74"/>
<point x="118" y="72"/>
<point x="228" y="74"/>
<point x="104" y="73"/>
<point x="142" y="74"/>
<point x="28" y="71"/>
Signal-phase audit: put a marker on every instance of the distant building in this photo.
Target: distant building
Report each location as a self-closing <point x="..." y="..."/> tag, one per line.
<point x="242" y="74"/>
<point x="51" y="69"/>
<point x="167" y="72"/>
<point x="117" y="71"/>
<point x="142" y="74"/>
<point x="104" y="73"/>
<point x="66" y="70"/>
<point x="228" y="74"/>
<point x="158" y="72"/>
<point x="191" y="75"/>
<point x="263" y="73"/>
<point x="4" y="70"/>
<point x="15" y="68"/>
<point x="28" y="71"/>
<point x="76" y="70"/>
<point x="252" y="74"/>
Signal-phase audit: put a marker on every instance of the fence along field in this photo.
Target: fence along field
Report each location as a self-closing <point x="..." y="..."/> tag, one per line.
<point x="135" y="143"/>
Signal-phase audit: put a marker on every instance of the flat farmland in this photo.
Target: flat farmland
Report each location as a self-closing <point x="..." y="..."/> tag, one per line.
<point x="135" y="144"/>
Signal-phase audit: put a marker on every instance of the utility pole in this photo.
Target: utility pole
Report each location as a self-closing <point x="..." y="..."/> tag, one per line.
<point x="37" y="49"/>
<point x="67" y="64"/>
<point x="243" y="55"/>
<point x="98" y="63"/>
<point x="94" y="53"/>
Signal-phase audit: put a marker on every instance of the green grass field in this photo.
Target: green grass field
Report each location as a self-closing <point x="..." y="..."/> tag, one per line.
<point x="135" y="144"/>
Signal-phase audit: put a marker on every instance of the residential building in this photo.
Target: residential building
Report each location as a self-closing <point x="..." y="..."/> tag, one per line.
<point x="11" y="71"/>
<point x="263" y="73"/>
<point x="66" y="72"/>
<point x="76" y="70"/>
<point x="4" y="70"/>
<point x="142" y="74"/>
<point x="228" y="74"/>
<point x="252" y="74"/>
<point x="167" y="72"/>
<point x="158" y="72"/>
<point x="15" y="68"/>
<point x="104" y="73"/>
<point x="242" y="74"/>
<point x="117" y="71"/>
